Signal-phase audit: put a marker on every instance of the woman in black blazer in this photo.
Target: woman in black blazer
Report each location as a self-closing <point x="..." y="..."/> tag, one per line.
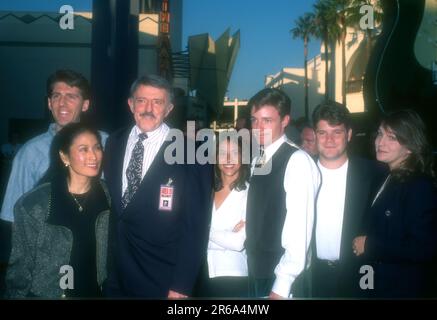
<point x="401" y="238"/>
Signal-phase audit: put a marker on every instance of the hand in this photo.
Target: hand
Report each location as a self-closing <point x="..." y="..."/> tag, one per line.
<point x="358" y="245"/>
<point x="239" y="226"/>
<point x="176" y="295"/>
<point x="275" y="296"/>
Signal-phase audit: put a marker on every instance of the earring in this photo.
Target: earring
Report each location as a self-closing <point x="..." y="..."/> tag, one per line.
<point x="66" y="164"/>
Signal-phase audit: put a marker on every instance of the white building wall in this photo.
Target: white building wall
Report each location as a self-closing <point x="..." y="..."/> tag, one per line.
<point x="291" y="80"/>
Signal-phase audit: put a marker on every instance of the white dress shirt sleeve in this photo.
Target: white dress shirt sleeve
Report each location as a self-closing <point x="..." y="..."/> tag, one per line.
<point x="301" y="183"/>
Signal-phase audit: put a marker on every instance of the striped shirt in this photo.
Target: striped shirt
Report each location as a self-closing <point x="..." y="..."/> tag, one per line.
<point x="152" y="144"/>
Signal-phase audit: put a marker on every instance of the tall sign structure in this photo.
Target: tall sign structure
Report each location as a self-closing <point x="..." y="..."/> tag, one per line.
<point x="164" y="47"/>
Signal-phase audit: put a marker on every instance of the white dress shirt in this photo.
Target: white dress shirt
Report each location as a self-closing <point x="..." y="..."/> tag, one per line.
<point x="330" y="209"/>
<point x="152" y="144"/>
<point x="301" y="183"/>
<point x="226" y="254"/>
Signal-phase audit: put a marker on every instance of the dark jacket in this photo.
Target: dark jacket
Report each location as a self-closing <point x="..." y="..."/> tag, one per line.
<point x="153" y="251"/>
<point x="401" y="242"/>
<point x="362" y="180"/>
<point x="40" y="248"/>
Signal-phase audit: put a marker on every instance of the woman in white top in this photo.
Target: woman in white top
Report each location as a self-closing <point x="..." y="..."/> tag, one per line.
<point x="227" y="265"/>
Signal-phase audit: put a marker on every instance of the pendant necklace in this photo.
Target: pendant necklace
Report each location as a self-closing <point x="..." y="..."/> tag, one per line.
<point x="79" y="206"/>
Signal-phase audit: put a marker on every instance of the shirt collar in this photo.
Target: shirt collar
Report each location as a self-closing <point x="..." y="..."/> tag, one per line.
<point x="151" y="135"/>
<point x="272" y="148"/>
<point x="343" y="167"/>
<point x="52" y="129"/>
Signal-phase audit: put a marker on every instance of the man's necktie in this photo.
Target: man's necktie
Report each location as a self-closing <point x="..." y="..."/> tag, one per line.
<point x="262" y="157"/>
<point x="134" y="170"/>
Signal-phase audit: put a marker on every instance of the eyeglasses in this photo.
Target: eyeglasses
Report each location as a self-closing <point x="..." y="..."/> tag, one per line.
<point x="153" y="102"/>
<point x="69" y="97"/>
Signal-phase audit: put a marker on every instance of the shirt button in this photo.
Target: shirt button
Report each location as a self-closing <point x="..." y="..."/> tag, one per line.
<point x="387" y="213"/>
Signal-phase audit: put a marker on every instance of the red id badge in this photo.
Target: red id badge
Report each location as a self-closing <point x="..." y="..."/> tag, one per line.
<point x="166" y="198"/>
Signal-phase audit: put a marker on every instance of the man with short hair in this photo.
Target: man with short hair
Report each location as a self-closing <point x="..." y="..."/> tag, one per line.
<point x="159" y="226"/>
<point x="347" y="184"/>
<point x="68" y="96"/>
<point x="280" y="204"/>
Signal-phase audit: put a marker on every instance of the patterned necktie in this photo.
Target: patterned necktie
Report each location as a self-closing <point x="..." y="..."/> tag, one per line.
<point x="134" y="170"/>
<point x="262" y="157"/>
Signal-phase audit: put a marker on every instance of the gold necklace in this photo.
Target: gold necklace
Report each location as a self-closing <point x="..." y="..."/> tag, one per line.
<point x="79" y="206"/>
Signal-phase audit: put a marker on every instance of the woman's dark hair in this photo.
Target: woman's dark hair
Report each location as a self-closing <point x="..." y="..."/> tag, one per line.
<point x="410" y="131"/>
<point x="243" y="173"/>
<point x="62" y="143"/>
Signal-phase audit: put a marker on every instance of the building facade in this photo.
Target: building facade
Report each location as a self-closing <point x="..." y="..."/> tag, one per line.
<point x="33" y="45"/>
<point x="291" y="80"/>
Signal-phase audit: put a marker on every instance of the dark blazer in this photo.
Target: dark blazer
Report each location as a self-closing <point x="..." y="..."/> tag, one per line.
<point x="401" y="242"/>
<point x="363" y="177"/>
<point x="153" y="251"/>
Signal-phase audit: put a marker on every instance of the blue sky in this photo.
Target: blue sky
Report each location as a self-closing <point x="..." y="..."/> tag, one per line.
<point x="266" y="43"/>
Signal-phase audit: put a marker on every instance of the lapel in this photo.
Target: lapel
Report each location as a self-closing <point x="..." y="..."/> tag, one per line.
<point x="120" y="144"/>
<point x="357" y="187"/>
<point x="156" y="162"/>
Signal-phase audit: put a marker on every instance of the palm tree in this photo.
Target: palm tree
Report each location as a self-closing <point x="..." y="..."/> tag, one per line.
<point x="342" y="21"/>
<point x="304" y="29"/>
<point x="327" y="30"/>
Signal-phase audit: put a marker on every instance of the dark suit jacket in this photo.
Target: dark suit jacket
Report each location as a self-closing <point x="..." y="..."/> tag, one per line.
<point x="401" y="242"/>
<point x="363" y="177"/>
<point x="153" y="251"/>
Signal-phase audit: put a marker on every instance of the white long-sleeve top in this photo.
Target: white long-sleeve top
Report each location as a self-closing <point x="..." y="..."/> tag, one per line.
<point x="226" y="254"/>
<point x="301" y="183"/>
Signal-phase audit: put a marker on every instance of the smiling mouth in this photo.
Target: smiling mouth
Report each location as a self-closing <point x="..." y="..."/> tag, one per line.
<point x="228" y="166"/>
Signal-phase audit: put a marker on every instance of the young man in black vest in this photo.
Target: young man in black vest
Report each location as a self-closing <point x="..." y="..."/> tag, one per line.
<point x="280" y="205"/>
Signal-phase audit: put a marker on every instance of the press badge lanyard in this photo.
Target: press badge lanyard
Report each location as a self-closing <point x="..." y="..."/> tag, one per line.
<point x="166" y="196"/>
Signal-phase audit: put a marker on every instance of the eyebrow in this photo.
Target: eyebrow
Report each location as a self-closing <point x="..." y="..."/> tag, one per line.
<point x="86" y="145"/>
<point x="263" y="118"/>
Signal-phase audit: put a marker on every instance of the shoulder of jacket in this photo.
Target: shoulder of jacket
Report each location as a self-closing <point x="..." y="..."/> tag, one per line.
<point x="118" y="134"/>
<point x="39" y="196"/>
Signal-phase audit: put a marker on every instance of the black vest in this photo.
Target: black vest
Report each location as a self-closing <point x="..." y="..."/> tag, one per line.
<point x="265" y="216"/>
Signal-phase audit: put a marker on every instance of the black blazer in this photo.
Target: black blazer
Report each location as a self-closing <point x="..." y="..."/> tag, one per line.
<point x="401" y="242"/>
<point x="363" y="177"/>
<point x="153" y="251"/>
